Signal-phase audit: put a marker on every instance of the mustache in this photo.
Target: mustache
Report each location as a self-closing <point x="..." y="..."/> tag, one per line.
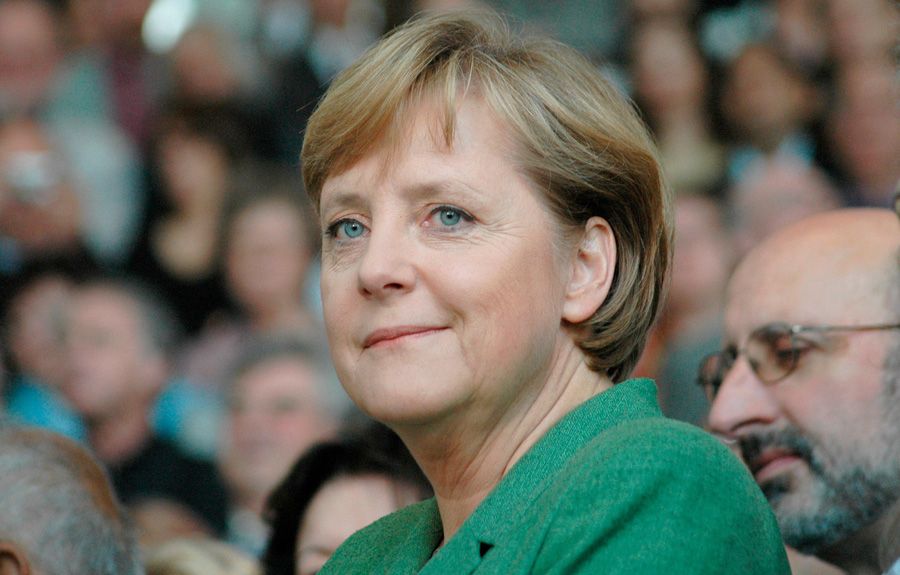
<point x="752" y="446"/>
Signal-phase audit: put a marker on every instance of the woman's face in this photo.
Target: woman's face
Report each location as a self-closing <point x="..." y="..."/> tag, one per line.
<point x="343" y="506"/>
<point x="442" y="279"/>
<point x="267" y="256"/>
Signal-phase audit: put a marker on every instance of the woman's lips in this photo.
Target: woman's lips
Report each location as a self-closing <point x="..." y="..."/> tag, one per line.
<point x="393" y="335"/>
<point x="773" y="462"/>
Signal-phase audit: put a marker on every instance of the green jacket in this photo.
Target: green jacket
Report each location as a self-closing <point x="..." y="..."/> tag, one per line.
<point x="614" y="487"/>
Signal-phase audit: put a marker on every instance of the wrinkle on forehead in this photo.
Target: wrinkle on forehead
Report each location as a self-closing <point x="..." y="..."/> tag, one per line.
<point x="827" y="268"/>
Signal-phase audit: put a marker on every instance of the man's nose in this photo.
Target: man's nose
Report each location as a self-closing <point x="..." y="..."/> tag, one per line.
<point x="742" y="400"/>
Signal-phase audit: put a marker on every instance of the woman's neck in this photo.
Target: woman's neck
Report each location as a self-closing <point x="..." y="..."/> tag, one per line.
<point x="465" y="459"/>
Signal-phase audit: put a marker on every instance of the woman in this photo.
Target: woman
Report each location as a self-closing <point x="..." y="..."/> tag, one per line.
<point x="335" y="488"/>
<point x="496" y="238"/>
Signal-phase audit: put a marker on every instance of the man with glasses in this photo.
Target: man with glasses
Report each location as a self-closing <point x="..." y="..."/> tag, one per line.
<point x="808" y="385"/>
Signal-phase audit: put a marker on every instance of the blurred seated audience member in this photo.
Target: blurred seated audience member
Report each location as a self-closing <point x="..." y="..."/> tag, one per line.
<point x="691" y="321"/>
<point x="336" y="488"/>
<point x="269" y="238"/>
<point x="34" y="332"/>
<point x="864" y="131"/>
<point x="39" y="209"/>
<point x="768" y="105"/>
<point x="119" y="337"/>
<point x="59" y="513"/>
<point x="801" y="33"/>
<point x="195" y="148"/>
<point x="281" y="401"/>
<point x="198" y="556"/>
<point x="862" y="29"/>
<point x="36" y="80"/>
<point x="774" y="194"/>
<point x="30" y="54"/>
<point x="671" y="85"/>
<point x="211" y="66"/>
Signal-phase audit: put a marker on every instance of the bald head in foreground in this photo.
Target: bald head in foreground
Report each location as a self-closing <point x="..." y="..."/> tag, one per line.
<point x="808" y="385"/>
<point x="58" y="514"/>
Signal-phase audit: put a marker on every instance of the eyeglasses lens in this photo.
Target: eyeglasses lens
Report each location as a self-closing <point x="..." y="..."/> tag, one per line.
<point x="772" y="352"/>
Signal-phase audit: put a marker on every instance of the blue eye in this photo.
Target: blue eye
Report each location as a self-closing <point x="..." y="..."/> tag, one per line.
<point x="346" y="229"/>
<point x="352" y="228"/>
<point x="450" y="216"/>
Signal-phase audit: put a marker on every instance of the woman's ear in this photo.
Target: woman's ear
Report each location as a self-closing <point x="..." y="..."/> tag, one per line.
<point x="592" y="270"/>
<point x="13" y="560"/>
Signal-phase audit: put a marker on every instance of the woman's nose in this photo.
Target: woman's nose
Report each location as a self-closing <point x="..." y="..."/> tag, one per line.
<point x="386" y="267"/>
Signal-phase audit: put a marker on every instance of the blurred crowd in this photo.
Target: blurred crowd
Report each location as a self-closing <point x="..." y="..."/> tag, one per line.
<point x="158" y="270"/>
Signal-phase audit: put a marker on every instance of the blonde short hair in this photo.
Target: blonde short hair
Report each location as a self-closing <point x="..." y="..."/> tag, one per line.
<point x="199" y="557"/>
<point x="579" y="142"/>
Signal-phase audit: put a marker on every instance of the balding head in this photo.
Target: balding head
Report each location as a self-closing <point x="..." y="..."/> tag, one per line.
<point x="59" y="513"/>
<point x="822" y="435"/>
<point x="832" y="267"/>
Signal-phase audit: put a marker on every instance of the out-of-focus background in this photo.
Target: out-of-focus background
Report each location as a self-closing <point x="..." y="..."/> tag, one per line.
<point x="158" y="141"/>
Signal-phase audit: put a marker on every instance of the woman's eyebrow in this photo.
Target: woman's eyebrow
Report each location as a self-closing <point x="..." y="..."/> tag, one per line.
<point x="341" y="199"/>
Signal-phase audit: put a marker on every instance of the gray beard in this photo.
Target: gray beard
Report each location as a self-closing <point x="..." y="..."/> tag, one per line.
<point x="844" y="500"/>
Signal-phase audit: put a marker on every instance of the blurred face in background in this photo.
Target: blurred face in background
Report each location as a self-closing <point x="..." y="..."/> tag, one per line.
<point x="38" y="208"/>
<point x="277" y="411"/>
<point x="341" y="507"/>
<point x="111" y="369"/>
<point x="862" y="29"/>
<point x="865" y="128"/>
<point x="36" y="329"/>
<point x="669" y="72"/>
<point x="204" y="65"/>
<point x="702" y="256"/>
<point x="764" y="101"/>
<point x="775" y="194"/>
<point x="267" y="257"/>
<point x="194" y="170"/>
<point x="29" y="53"/>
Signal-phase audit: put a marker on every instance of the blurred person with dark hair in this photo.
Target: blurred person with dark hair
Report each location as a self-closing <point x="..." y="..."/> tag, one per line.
<point x="671" y="85"/>
<point x="119" y="338"/>
<point x="336" y="488"/>
<point x="195" y="149"/>
<point x="776" y="193"/>
<point x="267" y="245"/>
<point x="864" y="131"/>
<point x="769" y="106"/>
<point x="281" y="400"/>
<point x="60" y="515"/>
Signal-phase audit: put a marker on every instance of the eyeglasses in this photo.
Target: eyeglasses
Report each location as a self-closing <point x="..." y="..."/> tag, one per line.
<point x="773" y="352"/>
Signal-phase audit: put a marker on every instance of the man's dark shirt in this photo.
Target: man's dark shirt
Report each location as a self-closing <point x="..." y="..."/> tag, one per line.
<point x="162" y="471"/>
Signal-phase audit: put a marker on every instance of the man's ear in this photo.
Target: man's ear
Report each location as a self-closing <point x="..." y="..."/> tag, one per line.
<point x="592" y="270"/>
<point x="13" y="560"/>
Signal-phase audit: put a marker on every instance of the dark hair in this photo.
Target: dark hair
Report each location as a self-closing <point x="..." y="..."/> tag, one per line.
<point x="370" y="448"/>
